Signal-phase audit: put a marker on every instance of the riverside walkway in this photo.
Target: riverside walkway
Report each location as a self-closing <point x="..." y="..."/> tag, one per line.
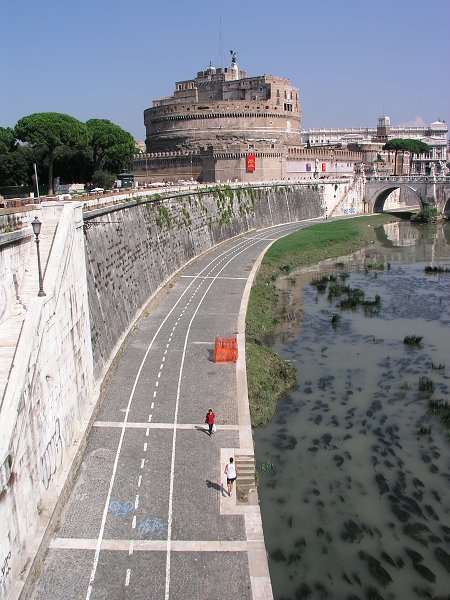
<point x="149" y="515"/>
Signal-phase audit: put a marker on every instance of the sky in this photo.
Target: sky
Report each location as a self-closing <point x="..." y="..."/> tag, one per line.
<point x="352" y="60"/>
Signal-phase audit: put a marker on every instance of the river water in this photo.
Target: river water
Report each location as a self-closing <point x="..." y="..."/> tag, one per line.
<point x="354" y="470"/>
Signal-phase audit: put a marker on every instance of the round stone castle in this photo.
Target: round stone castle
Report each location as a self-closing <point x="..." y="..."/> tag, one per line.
<point x="223" y="109"/>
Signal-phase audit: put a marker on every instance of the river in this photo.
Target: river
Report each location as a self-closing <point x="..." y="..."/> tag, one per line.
<point x="354" y="468"/>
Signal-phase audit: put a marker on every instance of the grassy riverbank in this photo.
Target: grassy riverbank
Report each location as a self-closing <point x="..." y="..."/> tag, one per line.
<point x="268" y="375"/>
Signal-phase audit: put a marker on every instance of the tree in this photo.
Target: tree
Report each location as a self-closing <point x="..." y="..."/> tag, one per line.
<point x="52" y="131"/>
<point x="406" y="145"/>
<point x="112" y="146"/>
<point x="103" y="179"/>
<point x="14" y="160"/>
<point x="417" y="147"/>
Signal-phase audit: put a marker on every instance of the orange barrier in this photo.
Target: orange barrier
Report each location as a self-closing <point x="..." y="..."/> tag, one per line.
<point x="225" y="350"/>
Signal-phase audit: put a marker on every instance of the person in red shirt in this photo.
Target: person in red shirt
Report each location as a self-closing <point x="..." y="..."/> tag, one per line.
<point x="210" y="416"/>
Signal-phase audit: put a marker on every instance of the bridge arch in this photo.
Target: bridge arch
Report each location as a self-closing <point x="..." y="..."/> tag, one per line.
<point x="446" y="204"/>
<point x="376" y="200"/>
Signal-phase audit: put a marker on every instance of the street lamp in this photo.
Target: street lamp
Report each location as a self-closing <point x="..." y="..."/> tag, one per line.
<point x="37" y="183"/>
<point x="36" y="224"/>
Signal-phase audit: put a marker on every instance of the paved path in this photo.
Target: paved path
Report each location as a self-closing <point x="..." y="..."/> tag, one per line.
<point x="149" y="516"/>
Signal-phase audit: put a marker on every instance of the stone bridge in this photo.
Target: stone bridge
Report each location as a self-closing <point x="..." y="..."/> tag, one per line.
<point x="429" y="191"/>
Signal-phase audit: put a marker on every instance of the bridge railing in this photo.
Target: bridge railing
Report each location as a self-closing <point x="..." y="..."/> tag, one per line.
<point x="411" y="178"/>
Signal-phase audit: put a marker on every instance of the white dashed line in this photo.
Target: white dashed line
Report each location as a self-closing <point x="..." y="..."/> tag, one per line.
<point x="152" y="405"/>
<point x="136" y="502"/>
<point x="143" y="460"/>
<point x="139" y="481"/>
<point x="147" y="432"/>
<point x="131" y="550"/>
<point x="154" y="394"/>
<point x="149" y="418"/>
<point x="133" y="524"/>
<point x="127" y="578"/>
<point x="156" y="383"/>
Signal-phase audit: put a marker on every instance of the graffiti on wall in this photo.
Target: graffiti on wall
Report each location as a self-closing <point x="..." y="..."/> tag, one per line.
<point x="6" y="568"/>
<point x="51" y="459"/>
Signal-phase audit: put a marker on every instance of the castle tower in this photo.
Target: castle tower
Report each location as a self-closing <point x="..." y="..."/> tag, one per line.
<point x="383" y="127"/>
<point x="224" y="109"/>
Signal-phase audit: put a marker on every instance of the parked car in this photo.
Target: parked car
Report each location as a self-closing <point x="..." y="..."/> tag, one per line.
<point x="97" y="191"/>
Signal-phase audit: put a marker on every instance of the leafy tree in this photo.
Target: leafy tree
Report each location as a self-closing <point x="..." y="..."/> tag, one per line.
<point x="112" y="146"/>
<point x="406" y="145"/>
<point x="52" y="132"/>
<point x="14" y="160"/>
<point x="74" y="165"/>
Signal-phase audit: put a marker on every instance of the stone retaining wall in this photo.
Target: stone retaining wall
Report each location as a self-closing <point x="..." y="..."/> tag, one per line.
<point x="140" y="246"/>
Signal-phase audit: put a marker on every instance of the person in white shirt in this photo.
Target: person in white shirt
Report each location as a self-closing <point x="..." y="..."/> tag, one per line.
<point x="231" y="473"/>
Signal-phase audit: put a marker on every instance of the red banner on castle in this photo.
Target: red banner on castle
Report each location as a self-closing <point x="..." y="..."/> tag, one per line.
<point x="250" y="162"/>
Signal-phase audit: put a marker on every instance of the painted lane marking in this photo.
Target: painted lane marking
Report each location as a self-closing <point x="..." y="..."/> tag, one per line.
<point x="152" y="405"/>
<point x="159" y="375"/>
<point x="147" y="431"/>
<point x="174" y="435"/>
<point x="127" y="578"/>
<point x="153" y="425"/>
<point x="136" y="502"/>
<point x="139" y="481"/>
<point x="154" y="394"/>
<point x="131" y="550"/>
<point x="133" y="524"/>
<point x="156" y="383"/>
<point x="143" y="460"/>
<point x="120" y="545"/>
<point x="218" y="278"/>
<point x="149" y="418"/>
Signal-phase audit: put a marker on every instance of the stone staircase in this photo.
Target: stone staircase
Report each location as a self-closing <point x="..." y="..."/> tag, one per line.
<point x="342" y="201"/>
<point x="246" y="478"/>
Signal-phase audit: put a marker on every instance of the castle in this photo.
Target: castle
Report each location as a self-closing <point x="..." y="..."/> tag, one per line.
<point x="225" y="126"/>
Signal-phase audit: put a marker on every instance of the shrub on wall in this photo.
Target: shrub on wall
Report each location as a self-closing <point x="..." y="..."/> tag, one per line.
<point x="103" y="179"/>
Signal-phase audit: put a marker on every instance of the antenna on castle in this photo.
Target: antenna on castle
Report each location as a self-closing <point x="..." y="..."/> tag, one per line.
<point x="220" y="42"/>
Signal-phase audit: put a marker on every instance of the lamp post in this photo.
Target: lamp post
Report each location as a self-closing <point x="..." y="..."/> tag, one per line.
<point x="37" y="183"/>
<point x="36" y="224"/>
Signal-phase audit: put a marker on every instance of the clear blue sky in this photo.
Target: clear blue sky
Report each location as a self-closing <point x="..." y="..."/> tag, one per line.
<point x="352" y="60"/>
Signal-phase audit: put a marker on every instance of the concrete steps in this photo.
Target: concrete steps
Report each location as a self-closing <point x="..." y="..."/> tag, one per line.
<point x="246" y="478"/>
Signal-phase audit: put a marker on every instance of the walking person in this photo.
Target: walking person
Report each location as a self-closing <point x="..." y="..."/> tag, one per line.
<point x="231" y="473"/>
<point x="210" y="417"/>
